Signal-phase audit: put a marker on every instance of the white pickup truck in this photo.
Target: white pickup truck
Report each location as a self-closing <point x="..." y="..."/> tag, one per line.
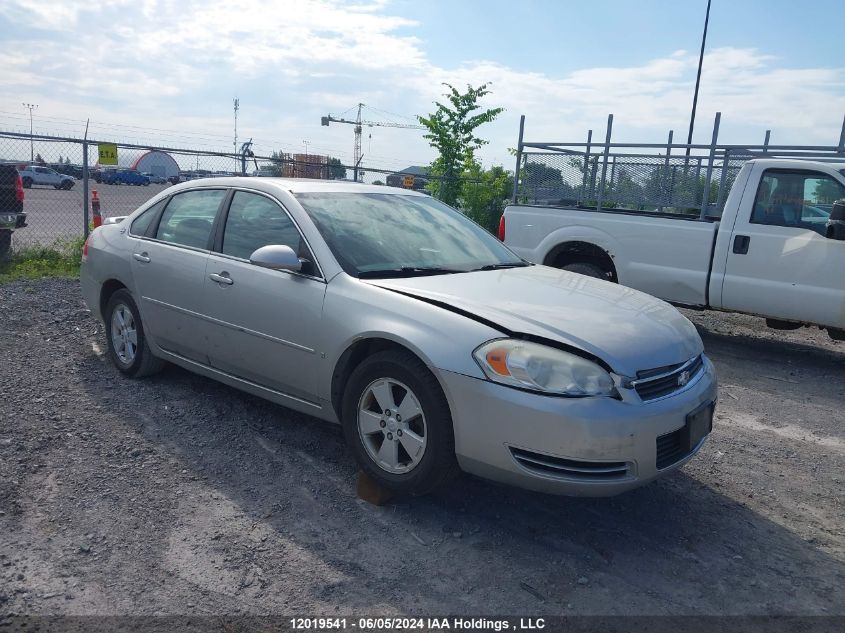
<point x="767" y="255"/>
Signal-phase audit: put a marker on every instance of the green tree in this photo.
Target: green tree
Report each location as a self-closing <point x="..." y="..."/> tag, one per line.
<point x="484" y="194"/>
<point x="451" y="131"/>
<point x="336" y="169"/>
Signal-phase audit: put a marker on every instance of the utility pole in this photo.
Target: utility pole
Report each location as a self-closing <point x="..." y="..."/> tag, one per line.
<point x="307" y="161"/>
<point x="31" y="107"/>
<point x="698" y="78"/>
<point x="237" y="103"/>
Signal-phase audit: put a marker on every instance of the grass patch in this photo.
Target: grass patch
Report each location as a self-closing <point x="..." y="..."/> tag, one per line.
<point x="60" y="259"/>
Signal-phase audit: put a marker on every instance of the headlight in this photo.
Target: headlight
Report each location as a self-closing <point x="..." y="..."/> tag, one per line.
<point x="542" y="368"/>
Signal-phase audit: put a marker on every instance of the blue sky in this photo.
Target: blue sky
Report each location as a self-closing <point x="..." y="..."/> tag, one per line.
<point x="160" y="72"/>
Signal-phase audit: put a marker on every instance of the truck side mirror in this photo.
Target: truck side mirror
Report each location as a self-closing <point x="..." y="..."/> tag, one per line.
<point x="836" y="223"/>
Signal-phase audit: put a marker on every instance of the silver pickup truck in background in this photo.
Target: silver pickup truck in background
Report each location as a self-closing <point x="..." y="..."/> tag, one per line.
<point x="767" y="248"/>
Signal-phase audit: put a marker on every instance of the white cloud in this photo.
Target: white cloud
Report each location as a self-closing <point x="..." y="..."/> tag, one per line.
<point x="156" y="62"/>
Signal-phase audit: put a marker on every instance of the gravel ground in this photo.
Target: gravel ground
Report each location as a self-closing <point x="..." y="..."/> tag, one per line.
<point x="177" y="495"/>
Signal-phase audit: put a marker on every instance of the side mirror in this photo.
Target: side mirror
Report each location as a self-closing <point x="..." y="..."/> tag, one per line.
<point x="276" y="257"/>
<point x="836" y="223"/>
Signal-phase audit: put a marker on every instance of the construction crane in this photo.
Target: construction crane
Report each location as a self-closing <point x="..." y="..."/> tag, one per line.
<point x="359" y="122"/>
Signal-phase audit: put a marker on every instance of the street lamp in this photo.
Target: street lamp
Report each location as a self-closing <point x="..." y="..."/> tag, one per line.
<point x="31" y="107"/>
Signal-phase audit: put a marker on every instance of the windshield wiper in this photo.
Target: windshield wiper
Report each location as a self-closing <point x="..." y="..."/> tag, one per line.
<point x="407" y="271"/>
<point x="502" y="266"/>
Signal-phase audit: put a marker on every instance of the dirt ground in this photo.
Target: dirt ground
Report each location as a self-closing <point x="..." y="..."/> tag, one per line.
<point x="177" y="495"/>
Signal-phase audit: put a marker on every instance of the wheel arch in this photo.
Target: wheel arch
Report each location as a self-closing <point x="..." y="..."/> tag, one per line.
<point x="108" y="288"/>
<point x="358" y="351"/>
<point x="582" y="251"/>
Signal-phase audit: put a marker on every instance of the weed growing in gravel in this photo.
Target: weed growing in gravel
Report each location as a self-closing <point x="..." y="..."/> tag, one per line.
<point x="60" y="259"/>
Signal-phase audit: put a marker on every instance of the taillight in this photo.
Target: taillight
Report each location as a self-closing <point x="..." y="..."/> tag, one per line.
<point x="19" y="189"/>
<point x="502" y="228"/>
<point x="85" y="249"/>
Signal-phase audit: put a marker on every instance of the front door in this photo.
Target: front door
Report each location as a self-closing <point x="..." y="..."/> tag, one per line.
<point x="169" y="272"/>
<point x="264" y="323"/>
<point x="779" y="263"/>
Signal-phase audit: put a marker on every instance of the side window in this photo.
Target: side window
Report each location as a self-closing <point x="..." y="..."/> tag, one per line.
<point x="142" y="222"/>
<point x="188" y="218"/>
<point x="255" y="221"/>
<point x="797" y="199"/>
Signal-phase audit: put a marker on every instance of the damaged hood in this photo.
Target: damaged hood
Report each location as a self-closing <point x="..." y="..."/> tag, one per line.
<point x="627" y="329"/>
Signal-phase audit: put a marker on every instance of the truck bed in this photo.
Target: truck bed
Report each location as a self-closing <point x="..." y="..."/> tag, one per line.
<point x="665" y="255"/>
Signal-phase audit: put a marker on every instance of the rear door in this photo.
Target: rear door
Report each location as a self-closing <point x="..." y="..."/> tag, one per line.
<point x="779" y="263"/>
<point x="168" y="264"/>
<point x="264" y="324"/>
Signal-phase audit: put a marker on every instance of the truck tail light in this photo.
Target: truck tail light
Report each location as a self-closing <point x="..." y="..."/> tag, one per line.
<point x="19" y="189"/>
<point x="502" y="228"/>
<point x="85" y="249"/>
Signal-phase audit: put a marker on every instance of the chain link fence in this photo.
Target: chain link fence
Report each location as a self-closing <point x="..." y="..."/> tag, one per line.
<point x="683" y="179"/>
<point x="58" y="196"/>
<point x="631" y="182"/>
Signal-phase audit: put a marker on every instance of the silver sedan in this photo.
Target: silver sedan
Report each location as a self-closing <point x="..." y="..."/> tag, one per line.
<point x="433" y="345"/>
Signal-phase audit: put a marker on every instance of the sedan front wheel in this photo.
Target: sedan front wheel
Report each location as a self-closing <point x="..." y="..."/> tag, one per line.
<point x="397" y="422"/>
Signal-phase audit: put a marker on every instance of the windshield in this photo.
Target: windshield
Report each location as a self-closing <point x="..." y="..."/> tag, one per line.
<point x="376" y="234"/>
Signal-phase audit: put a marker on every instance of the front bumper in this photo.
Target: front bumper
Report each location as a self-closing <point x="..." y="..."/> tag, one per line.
<point x="606" y="446"/>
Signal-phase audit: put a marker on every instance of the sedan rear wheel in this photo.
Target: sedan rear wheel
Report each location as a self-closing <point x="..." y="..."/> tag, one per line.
<point x="397" y="422"/>
<point x="128" y="347"/>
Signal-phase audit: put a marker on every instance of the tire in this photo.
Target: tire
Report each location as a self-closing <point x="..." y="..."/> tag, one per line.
<point x="68" y="185"/>
<point x="589" y="270"/>
<point x="407" y="376"/>
<point x="5" y="244"/>
<point x="141" y="361"/>
<point x="27" y="183"/>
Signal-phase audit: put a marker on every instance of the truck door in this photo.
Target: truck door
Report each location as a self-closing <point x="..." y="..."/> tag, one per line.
<point x="779" y="263"/>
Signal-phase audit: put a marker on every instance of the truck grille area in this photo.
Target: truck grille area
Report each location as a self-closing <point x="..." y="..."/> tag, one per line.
<point x="667" y="380"/>
<point x="570" y="468"/>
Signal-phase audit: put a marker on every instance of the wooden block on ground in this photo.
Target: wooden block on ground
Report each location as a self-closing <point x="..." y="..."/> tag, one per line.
<point x="371" y="491"/>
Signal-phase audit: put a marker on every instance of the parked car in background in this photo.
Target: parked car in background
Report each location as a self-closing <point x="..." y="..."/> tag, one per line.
<point x="12" y="216"/>
<point x="67" y="169"/>
<point x="432" y="344"/>
<point x="768" y="253"/>
<point x="154" y="178"/>
<point x="124" y="177"/>
<point x="37" y="175"/>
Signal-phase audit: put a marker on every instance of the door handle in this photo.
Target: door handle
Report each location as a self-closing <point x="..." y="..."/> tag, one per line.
<point x="142" y="257"/>
<point x="741" y="243"/>
<point x="222" y="278"/>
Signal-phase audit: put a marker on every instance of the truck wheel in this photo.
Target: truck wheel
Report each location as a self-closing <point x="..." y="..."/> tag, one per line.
<point x="5" y="244"/>
<point x="397" y="422"/>
<point x="128" y="347"/>
<point x="27" y="183"/>
<point x="590" y="270"/>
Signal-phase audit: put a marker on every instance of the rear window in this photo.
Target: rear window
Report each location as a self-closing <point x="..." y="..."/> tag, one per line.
<point x="188" y="218"/>
<point x="141" y="224"/>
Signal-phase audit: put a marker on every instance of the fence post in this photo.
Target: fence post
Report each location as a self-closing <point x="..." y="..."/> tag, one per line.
<point x="665" y="174"/>
<point x="604" y="161"/>
<point x="842" y="137"/>
<point x="582" y="197"/>
<point x="706" y="197"/>
<point x="518" y="158"/>
<point x="766" y="141"/>
<point x="720" y="197"/>
<point x="85" y="187"/>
